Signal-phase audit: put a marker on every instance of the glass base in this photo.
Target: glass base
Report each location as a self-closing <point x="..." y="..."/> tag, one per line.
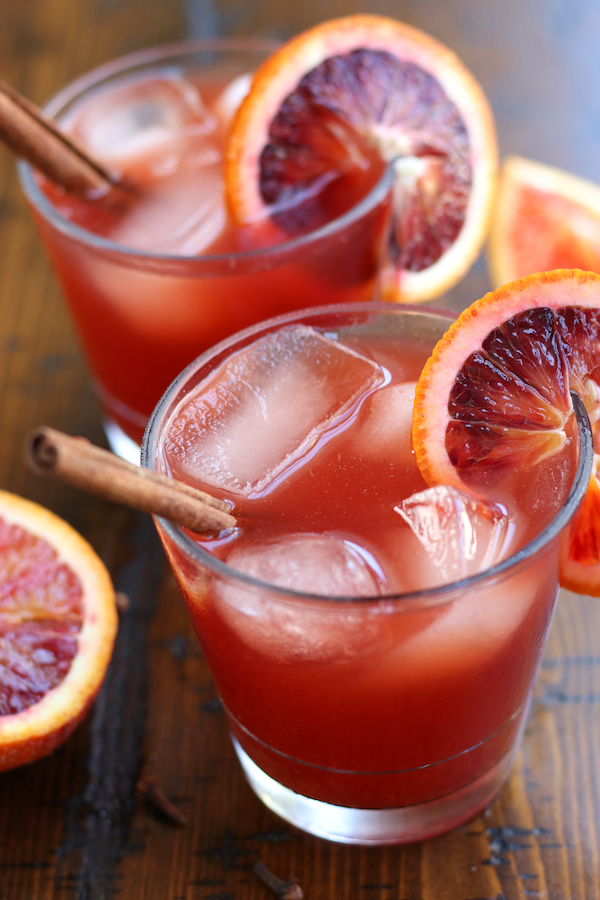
<point x="376" y="826"/>
<point x="120" y="443"/>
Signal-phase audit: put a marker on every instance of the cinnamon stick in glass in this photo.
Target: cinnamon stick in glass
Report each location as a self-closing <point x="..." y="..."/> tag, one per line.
<point x="30" y="134"/>
<point x="80" y="463"/>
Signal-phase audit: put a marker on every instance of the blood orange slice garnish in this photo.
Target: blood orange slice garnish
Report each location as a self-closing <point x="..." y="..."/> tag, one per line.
<point x="494" y="396"/>
<point x="57" y="628"/>
<point x="332" y="106"/>
<point x="545" y="219"/>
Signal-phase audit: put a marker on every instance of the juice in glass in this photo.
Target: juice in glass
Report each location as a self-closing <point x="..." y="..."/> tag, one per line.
<point x="374" y="642"/>
<point x="157" y="279"/>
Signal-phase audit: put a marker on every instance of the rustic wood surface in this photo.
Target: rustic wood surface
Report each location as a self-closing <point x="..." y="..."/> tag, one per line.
<point x="74" y="825"/>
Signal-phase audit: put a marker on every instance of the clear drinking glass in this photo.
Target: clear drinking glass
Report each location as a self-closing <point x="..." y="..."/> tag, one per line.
<point x="361" y="720"/>
<point x="142" y="316"/>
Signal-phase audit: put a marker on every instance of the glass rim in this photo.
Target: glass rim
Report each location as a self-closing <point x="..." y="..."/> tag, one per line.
<point x="122" y="64"/>
<point x="406" y="600"/>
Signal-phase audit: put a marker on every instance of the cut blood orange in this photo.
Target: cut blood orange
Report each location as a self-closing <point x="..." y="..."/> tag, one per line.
<point x="545" y="219"/>
<point x="57" y="627"/>
<point x="332" y="106"/>
<point x="494" y="396"/>
<point x="581" y="571"/>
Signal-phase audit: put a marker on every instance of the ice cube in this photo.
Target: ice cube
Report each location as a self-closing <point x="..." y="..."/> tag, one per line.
<point x="157" y="132"/>
<point x="311" y="563"/>
<point x="130" y="120"/>
<point x="228" y="101"/>
<point x="265" y="408"/>
<point x="385" y="422"/>
<point x="456" y="536"/>
<point x="450" y="535"/>
<point x="321" y="564"/>
<point x="461" y="635"/>
<point x="182" y="215"/>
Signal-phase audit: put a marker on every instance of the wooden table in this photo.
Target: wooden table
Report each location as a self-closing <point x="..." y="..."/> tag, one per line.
<point x="73" y="826"/>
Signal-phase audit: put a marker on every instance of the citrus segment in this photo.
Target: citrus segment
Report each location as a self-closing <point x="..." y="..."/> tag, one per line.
<point x="494" y="396"/>
<point x="336" y="103"/>
<point x="545" y="219"/>
<point x="57" y="628"/>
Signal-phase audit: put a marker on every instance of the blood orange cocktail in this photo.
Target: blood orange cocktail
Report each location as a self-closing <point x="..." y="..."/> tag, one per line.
<point x="153" y="282"/>
<point x="374" y="642"/>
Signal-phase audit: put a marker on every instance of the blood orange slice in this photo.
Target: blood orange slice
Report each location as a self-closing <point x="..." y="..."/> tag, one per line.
<point x="545" y="219"/>
<point x="332" y="106"/>
<point x="57" y="627"/>
<point x="581" y="572"/>
<point x="494" y="396"/>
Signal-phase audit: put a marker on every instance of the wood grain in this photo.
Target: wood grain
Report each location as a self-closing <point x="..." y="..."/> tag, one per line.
<point x="73" y="826"/>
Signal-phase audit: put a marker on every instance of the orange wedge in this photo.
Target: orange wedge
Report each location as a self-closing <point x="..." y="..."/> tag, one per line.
<point x="494" y="396"/>
<point x="57" y="628"/>
<point x="581" y="571"/>
<point x="545" y="219"/>
<point x="332" y="107"/>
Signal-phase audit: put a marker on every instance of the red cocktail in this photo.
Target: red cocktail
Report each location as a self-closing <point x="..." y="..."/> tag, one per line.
<point x="374" y="642"/>
<point x="154" y="281"/>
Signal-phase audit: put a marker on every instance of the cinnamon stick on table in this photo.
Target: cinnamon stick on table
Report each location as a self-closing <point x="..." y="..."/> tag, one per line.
<point x="30" y="134"/>
<point x="76" y="461"/>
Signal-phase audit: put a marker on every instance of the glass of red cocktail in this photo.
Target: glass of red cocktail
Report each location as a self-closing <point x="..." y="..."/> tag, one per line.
<point x="374" y="642"/>
<point x="153" y="283"/>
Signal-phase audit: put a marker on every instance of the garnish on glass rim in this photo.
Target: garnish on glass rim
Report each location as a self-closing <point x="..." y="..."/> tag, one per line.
<point x="494" y="395"/>
<point x="352" y="91"/>
<point x="29" y="133"/>
<point x="80" y="463"/>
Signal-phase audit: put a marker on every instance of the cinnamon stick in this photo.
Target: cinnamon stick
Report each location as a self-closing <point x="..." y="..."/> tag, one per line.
<point x="30" y="134"/>
<point x="80" y="463"/>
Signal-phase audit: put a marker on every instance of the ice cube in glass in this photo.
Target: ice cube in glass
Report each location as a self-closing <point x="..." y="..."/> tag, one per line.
<point x="265" y="407"/>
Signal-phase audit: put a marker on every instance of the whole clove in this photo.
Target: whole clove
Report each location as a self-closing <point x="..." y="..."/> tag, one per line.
<point x="286" y="890"/>
<point x="122" y="602"/>
<point x="152" y="793"/>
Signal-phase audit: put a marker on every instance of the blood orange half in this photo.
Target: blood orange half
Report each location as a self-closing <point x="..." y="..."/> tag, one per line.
<point x="57" y="627"/>
<point x="332" y="106"/>
<point x="494" y="396"/>
<point x="545" y="219"/>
